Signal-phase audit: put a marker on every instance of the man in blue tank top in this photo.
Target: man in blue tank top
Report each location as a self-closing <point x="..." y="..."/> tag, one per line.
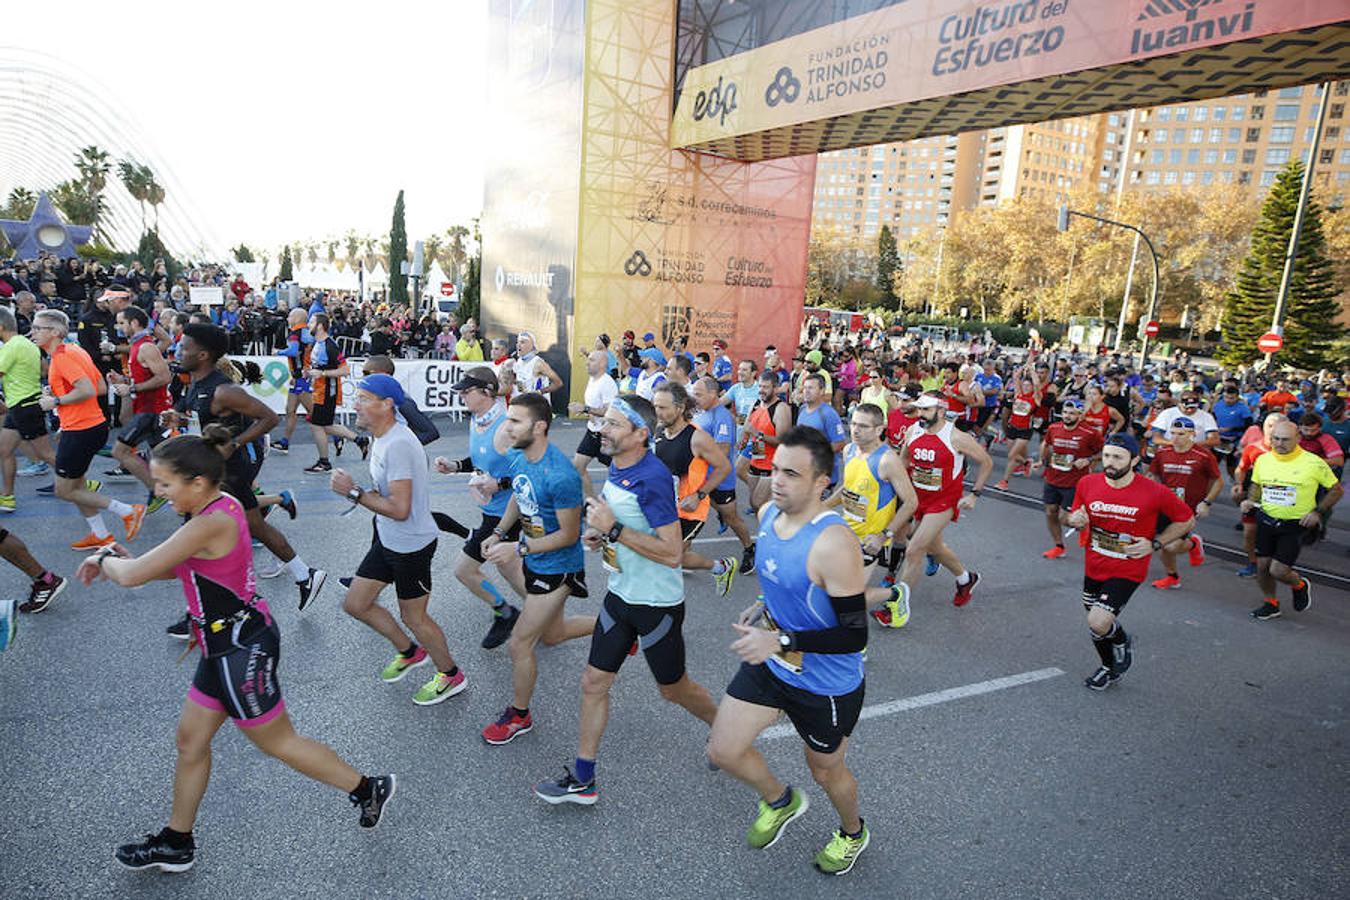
<point x="546" y="499"/>
<point x="718" y="421"/>
<point x="636" y="526"/>
<point x="801" y="652"/>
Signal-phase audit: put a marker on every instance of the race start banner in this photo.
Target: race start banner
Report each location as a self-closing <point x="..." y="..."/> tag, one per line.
<point x="426" y="381"/>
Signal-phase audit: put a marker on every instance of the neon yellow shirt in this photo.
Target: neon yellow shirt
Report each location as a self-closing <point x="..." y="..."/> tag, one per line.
<point x="868" y="502"/>
<point x="1289" y="483"/>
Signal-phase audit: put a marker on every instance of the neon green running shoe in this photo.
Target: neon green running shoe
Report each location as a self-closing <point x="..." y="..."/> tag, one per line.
<point x="731" y="565"/>
<point x="440" y="687"/>
<point x="839" y="855"/>
<point x="93" y="485"/>
<point x="769" y="823"/>
<point x="400" y="665"/>
<point x="6" y="503"/>
<point x="894" y="613"/>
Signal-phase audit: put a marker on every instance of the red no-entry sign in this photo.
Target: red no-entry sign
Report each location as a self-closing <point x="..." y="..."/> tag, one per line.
<point x="447" y="289"/>
<point x="1270" y="342"/>
<point x="1151" y="328"/>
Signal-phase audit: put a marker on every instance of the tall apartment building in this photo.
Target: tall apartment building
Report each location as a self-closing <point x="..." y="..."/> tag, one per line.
<point x="908" y="186"/>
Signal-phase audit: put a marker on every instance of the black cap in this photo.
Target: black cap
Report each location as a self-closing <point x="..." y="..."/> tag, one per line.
<point x="911" y="390"/>
<point x="477" y="377"/>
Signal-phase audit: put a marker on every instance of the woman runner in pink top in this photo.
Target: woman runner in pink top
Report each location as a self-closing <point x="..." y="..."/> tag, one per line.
<point x="236" y="678"/>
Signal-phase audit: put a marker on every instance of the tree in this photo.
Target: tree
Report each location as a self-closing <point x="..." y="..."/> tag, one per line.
<point x="19" y="204"/>
<point x="398" y="252"/>
<point x="457" y="253"/>
<point x="94" y="166"/>
<point x="888" y="263"/>
<point x="136" y="179"/>
<point x="243" y="254"/>
<point x="287" y="272"/>
<point x="76" y="203"/>
<point x="1310" y="326"/>
<point x="469" y="299"/>
<point x="151" y="248"/>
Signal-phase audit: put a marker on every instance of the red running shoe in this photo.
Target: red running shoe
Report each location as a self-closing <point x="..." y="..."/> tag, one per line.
<point x="1055" y="552"/>
<point x="507" y="727"/>
<point x="963" y="591"/>
<point x="1167" y="582"/>
<point x="1197" y="554"/>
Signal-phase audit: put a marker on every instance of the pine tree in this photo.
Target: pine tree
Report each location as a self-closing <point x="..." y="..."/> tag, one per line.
<point x="398" y="254"/>
<point x="287" y="272"/>
<point x="1310" y="313"/>
<point x="888" y="263"/>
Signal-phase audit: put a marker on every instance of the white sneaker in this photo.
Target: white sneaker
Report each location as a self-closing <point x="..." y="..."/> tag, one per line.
<point x="265" y="565"/>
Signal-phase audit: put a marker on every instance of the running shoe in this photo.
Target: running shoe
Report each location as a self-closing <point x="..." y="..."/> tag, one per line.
<point x="1168" y="583"/>
<point x="42" y="593"/>
<point x="363" y="444"/>
<point x="1197" y="554"/>
<point x="838" y="856"/>
<point x="117" y="473"/>
<point x="106" y="452"/>
<point x="33" y="469"/>
<point x="281" y="445"/>
<point x="441" y="687"/>
<point x="930" y="566"/>
<point x="888" y="580"/>
<point x="9" y="623"/>
<point x="507" y="727"/>
<point x="1055" y="552"/>
<point x="400" y="665"/>
<point x="288" y="503"/>
<point x="1266" y="610"/>
<point x="769" y="822"/>
<point x="1122" y="656"/>
<point x="381" y="792"/>
<point x="748" y="560"/>
<point x="1302" y="596"/>
<point x="154" y="504"/>
<point x="181" y="630"/>
<point x="267" y="566"/>
<point x="310" y="587"/>
<point x="155" y="853"/>
<point x="132" y="520"/>
<point x="1247" y="571"/>
<point x="894" y="613"/>
<point x="346" y="581"/>
<point x="6" y="503"/>
<point x="1002" y="485"/>
<point x="320" y="467"/>
<point x="93" y="485"/>
<point x="338" y="444"/>
<point x="501" y="628"/>
<point x="963" y="591"/>
<point x="1100" y="680"/>
<point x="89" y="542"/>
<point x="567" y="789"/>
<point x="723" y="581"/>
<point x="721" y="525"/>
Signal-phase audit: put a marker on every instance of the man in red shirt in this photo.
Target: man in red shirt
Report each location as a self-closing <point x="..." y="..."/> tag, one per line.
<point x="1192" y="473"/>
<point x="1121" y="510"/>
<point x="146" y="382"/>
<point x="1068" y="451"/>
<point x="899" y="419"/>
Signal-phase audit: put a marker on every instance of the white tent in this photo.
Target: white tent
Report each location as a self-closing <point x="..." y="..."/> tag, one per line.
<point x="431" y="284"/>
<point x="377" y="277"/>
<point x="326" y="277"/>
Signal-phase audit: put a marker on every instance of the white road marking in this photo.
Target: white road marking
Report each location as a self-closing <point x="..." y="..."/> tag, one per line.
<point x="957" y="693"/>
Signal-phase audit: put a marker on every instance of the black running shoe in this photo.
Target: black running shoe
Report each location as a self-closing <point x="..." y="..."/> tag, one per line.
<point x="321" y="467"/>
<point x="155" y="852"/>
<point x="1100" y="680"/>
<point x="363" y="444"/>
<point x="567" y="790"/>
<point x="748" y="560"/>
<point x="310" y="587"/>
<point x="1266" y="610"/>
<point x="345" y="581"/>
<point x="449" y="524"/>
<point x="41" y="594"/>
<point x="501" y="628"/>
<point x="1123" y="655"/>
<point x="180" y="629"/>
<point x="338" y="444"/>
<point x="1303" y="597"/>
<point x="288" y="503"/>
<point x="381" y="792"/>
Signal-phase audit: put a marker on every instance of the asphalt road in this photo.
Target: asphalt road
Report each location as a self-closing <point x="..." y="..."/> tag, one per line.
<point x="1217" y="768"/>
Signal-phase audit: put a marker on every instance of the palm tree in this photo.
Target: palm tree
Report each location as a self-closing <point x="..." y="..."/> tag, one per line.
<point x="457" y="252"/>
<point x="332" y="246"/>
<point x="93" y="166"/>
<point x="155" y="193"/>
<point x="19" y="204"/>
<point x="353" y="244"/>
<point x="134" y="179"/>
<point x="74" y="200"/>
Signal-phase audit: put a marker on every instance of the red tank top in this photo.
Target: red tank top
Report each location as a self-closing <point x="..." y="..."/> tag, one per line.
<point x="1099" y="421"/>
<point x="1023" y="406"/>
<point x="935" y="467"/>
<point x="151" y="401"/>
<point x="955" y="400"/>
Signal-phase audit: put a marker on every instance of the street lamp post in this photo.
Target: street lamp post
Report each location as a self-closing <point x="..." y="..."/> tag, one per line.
<point x="1063" y="225"/>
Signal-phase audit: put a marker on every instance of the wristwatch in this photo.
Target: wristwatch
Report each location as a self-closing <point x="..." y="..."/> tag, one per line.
<point x="613" y="534"/>
<point x="701" y="494"/>
<point x="355" y="493"/>
<point x="887" y="534"/>
<point x="1157" y="544"/>
<point x="785" y="640"/>
<point x="522" y="548"/>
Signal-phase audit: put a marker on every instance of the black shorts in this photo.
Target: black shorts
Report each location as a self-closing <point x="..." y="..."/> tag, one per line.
<point x="473" y="544"/>
<point x="689" y="528"/>
<point x="1278" y="540"/>
<point x="539" y="583"/>
<point x="983" y="414"/>
<point x="1057" y="496"/>
<point x="409" y="573"/>
<point x="28" y="419"/>
<point x="142" y="428"/>
<point x="1110" y="595"/>
<point x="658" y="630"/>
<point x="590" y="446"/>
<point x="243" y="684"/>
<point x="323" y="414"/>
<point x="77" y="449"/>
<point x="1018" y="434"/>
<point x="240" y="471"/>
<point x="722" y="497"/>
<point x="822" y="721"/>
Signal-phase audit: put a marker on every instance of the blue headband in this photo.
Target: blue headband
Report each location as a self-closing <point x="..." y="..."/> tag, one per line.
<point x="621" y="406"/>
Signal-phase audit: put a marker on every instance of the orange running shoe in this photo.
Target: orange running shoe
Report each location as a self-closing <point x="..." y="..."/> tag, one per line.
<point x="1002" y="485"/>
<point x="89" y="542"/>
<point x="1167" y="582"/>
<point x="132" y="520"/>
<point x="1197" y="554"/>
<point x="1055" y="552"/>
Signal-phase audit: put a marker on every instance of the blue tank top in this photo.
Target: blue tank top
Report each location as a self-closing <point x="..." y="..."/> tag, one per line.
<point x="794" y="603"/>
<point x="721" y="424"/>
<point x="486" y="459"/>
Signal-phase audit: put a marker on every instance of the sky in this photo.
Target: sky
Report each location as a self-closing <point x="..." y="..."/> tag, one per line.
<point x="293" y="119"/>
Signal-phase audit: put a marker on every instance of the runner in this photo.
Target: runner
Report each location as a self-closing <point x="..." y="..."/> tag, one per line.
<point x="815" y="412"/>
<point x="801" y="651"/>
<point x="25" y="422"/>
<point x="402" y="545"/>
<point x="1098" y="415"/>
<point x="1233" y="417"/>
<point x="1122" y="510"/>
<point x="769" y="419"/>
<point x="653" y="372"/>
<point x="692" y="456"/>
<point x="213" y="397"/>
<point x="146" y="382"/>
<point x="935" y="455"/>
<point x="1242" y="485"/>
<point x="532" y="373"/>
<point x="633" y="524"/>
<point x="1192" y="473"/>
<point x="877" y="501"/>
<point x="1068" y="452"/>
<point x="76" y="387"/>
<point x="327" y="367"/>
<point x="1206" y="429"/>
<point x="1018" y="430"/>
<point x="1289" y="514"/>
<point x="488" y="459"/>
<point x="716" y="420"/>
<point x="990" y="387"/>
<point x="236" y="677"/>
<point x="546" y="499"/>
<point x="45" y="587"/>
<point x="299" y="344"/>
<point x="600" y="390"/>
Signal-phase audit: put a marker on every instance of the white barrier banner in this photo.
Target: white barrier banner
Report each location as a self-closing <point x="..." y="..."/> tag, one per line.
<point x="426" y="381"/>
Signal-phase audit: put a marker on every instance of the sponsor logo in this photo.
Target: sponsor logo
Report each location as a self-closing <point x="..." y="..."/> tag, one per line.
<point x="785" y="88"/>
<point x="742" y="271"/>
<point x="1113" y="509"/>
<point x="1193" y="27"/>
<point x="637" y="264"/>
<point x="675" y="322"/>
<point x="526" y="500"/>
<point x="717" y="102"/>
<point x="506" y="278"/>
<point x="997" y="34"/>
<point x="684" y="267"/>
<point x="851" y="67"/>
<point x="500" y="279"/>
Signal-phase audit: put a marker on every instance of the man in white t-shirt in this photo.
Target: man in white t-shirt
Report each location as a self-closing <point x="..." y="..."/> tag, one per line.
<point x="653" y="372"/>
<point x="601" y="389"/>
<point x="1206" y="426"/>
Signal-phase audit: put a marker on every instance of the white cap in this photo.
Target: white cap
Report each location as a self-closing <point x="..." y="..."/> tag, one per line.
<point x="928" y="401"/>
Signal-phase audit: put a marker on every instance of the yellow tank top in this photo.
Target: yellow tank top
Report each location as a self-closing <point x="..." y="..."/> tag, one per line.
<point x="868" y="503"/>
